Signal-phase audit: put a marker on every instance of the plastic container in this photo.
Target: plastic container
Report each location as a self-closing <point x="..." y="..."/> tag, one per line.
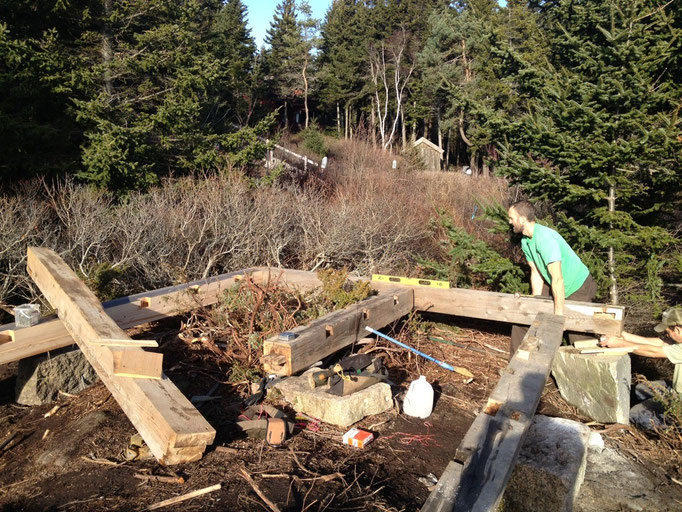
<point x="419" y="399"/>
<point x="26" y="315"/>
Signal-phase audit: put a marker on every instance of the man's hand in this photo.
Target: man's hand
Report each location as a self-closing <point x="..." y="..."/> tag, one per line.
<point x="613" y="342"/>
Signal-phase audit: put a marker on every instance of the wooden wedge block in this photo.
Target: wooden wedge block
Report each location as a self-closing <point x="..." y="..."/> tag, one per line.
<point x="591" y="343"/>
<point x="138" y="364"/>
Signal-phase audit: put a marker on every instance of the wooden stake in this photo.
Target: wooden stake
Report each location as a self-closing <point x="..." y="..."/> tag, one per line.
<point x="184" y="497"/>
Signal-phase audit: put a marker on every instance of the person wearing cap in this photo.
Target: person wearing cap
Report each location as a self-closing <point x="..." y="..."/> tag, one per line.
<point x="554" y="266"/>
<point x="648" y="411"/>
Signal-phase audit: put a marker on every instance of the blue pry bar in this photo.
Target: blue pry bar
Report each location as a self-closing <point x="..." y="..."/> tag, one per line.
<point x="419" y="352"/>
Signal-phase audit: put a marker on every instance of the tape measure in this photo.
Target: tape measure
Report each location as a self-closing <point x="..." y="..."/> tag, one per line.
<point x="410" y="281"/>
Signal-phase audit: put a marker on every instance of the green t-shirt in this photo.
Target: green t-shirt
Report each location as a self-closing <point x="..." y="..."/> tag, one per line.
<point x="674" y="353"/>
<point x="547" y="246"/>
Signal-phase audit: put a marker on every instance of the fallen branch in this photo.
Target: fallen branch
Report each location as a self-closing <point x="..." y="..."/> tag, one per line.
<point x="260" y="493"/>
<point x="160" y="478"/>
<point x="184" y="497"/>
<point x="97" y="460"/>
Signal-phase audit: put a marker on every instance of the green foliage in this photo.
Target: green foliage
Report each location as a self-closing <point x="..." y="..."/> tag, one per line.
<point x="313" y="139"/>
<point x="474" y="263"/>
<point x="338" y="292"/>
<point x="670" y="401"/>
<point x="103" y="280"/>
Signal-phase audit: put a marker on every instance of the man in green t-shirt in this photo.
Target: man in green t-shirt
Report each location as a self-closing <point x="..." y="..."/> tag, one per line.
<point x="649" y="412"/>
<point x="553" y="266"/>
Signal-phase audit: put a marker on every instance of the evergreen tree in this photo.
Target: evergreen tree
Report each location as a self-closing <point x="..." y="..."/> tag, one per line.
<point x="234" y="46"/>
<point x="284" y="58"/>
<point x="600" y="139"/>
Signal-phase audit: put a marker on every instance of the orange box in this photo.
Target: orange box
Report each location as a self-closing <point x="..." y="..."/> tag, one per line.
<point x="357" y="437"/>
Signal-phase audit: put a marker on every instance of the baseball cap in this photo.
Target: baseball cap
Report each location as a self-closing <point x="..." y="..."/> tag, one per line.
<point x="670" y="318"/>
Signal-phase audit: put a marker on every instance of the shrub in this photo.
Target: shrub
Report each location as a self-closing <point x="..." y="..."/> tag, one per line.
<point x="313" y="140"/>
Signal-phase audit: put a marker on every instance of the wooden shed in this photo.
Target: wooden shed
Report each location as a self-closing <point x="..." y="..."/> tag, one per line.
<point x="430" y="153"/>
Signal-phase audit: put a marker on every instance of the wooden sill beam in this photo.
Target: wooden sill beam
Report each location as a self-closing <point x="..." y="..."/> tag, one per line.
<point x="50" y="333"/>
<point x="165" y="419"/>
<point x="475" y="480"/>
<point x="334" y="331"/>
<point x="501" y="307"/>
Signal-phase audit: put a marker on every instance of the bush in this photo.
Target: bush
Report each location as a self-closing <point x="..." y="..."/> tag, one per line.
<point x="313" y="140"/>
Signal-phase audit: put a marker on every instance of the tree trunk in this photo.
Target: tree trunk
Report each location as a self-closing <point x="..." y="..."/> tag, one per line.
<point x="403" y="129"/>
<point x="107" y="49"/>
<point x="346" y="122"/>
<point x="286" y="116"/>
<point x="338" y="119"/>
<point x="612" y="259"/>
<point x="414" y="123"/>
<point x="305" y="93"/>
<point x="447" y="150"/>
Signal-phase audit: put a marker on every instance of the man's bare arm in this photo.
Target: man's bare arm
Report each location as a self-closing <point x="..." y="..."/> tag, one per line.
<point x="536" y="280"/>
<point x="641" y="350"/>
<point x="558" y="291"/>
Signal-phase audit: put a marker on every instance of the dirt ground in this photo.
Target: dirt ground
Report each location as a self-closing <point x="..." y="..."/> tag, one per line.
<point x="80" y="463"/>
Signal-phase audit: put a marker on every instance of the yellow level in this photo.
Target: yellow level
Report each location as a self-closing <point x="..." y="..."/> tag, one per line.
<point x="410" y="281"/>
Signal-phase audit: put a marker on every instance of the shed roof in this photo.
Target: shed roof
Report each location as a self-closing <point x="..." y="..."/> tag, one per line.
<point x="427" y="142"/>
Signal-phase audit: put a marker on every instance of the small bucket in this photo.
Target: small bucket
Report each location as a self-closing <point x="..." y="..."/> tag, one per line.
<point x="26" y="315"/>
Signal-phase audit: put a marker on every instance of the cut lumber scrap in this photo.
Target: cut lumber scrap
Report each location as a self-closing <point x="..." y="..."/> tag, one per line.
<point x="333" y="332"/>
<point x="581" y="344"/>
<point x="108" y="342"/>
<point x="170" y="425"/>
<point x="475" y="480"/>
<point x="500" y="307"/>
<point x="128" y="312"/>
<point x="137" y="363"/>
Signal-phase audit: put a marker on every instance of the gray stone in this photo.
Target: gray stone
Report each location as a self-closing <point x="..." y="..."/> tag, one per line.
<point x="63" y="445"/>
<point x="550" y="468"/>
<point x="614" y="483"/>
<point x="336" y="410"/>
<point x="40" y="378"/>
<point x="598" y="385"/>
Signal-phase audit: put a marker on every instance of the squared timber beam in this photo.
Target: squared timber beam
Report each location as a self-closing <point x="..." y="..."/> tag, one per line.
<point x="334" y="331"/>
<point x="475" y="480"/>
<point x="50" y="333"/>
<point x="170" y="425"/>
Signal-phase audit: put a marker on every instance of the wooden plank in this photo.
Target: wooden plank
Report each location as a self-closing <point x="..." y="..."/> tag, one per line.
<point x="485" y="458"/>
<point x="125" y="343"/>
<point x="162" y="415"/>
<point x="334" y="331"/>
<point x="128" y="312"/>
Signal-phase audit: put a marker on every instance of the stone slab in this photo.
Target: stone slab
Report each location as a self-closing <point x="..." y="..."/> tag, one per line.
<point x="40" y="378"/>
<point x="342" y="411"/>
<point x="598" y="385"/>
<point x="550" y="468"/>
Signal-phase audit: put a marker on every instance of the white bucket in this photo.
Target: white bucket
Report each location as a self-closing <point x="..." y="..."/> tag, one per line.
<point x="419" y="399"/>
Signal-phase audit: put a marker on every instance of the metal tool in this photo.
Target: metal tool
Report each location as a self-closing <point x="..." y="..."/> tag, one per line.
<point x="418" y="352"/>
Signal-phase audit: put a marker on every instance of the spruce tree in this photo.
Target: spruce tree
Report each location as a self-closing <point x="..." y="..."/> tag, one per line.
<point x="600" y="139"/>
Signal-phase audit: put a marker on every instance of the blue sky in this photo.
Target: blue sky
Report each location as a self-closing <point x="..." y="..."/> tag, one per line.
<point x="260" y="13"/>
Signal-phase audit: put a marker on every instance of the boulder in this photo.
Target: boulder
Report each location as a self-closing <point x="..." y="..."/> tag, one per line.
<point x="598" y="385"/>
<point x="550" y="468"/>
<point x="40" y="378"/>
<point x="342" y="411"/>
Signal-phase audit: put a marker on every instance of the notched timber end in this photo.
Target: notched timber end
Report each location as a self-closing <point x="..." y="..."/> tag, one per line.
<point x="6" y="336"/>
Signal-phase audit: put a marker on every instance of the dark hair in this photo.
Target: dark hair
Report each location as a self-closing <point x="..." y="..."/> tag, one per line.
<point x="525" y="209"/>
